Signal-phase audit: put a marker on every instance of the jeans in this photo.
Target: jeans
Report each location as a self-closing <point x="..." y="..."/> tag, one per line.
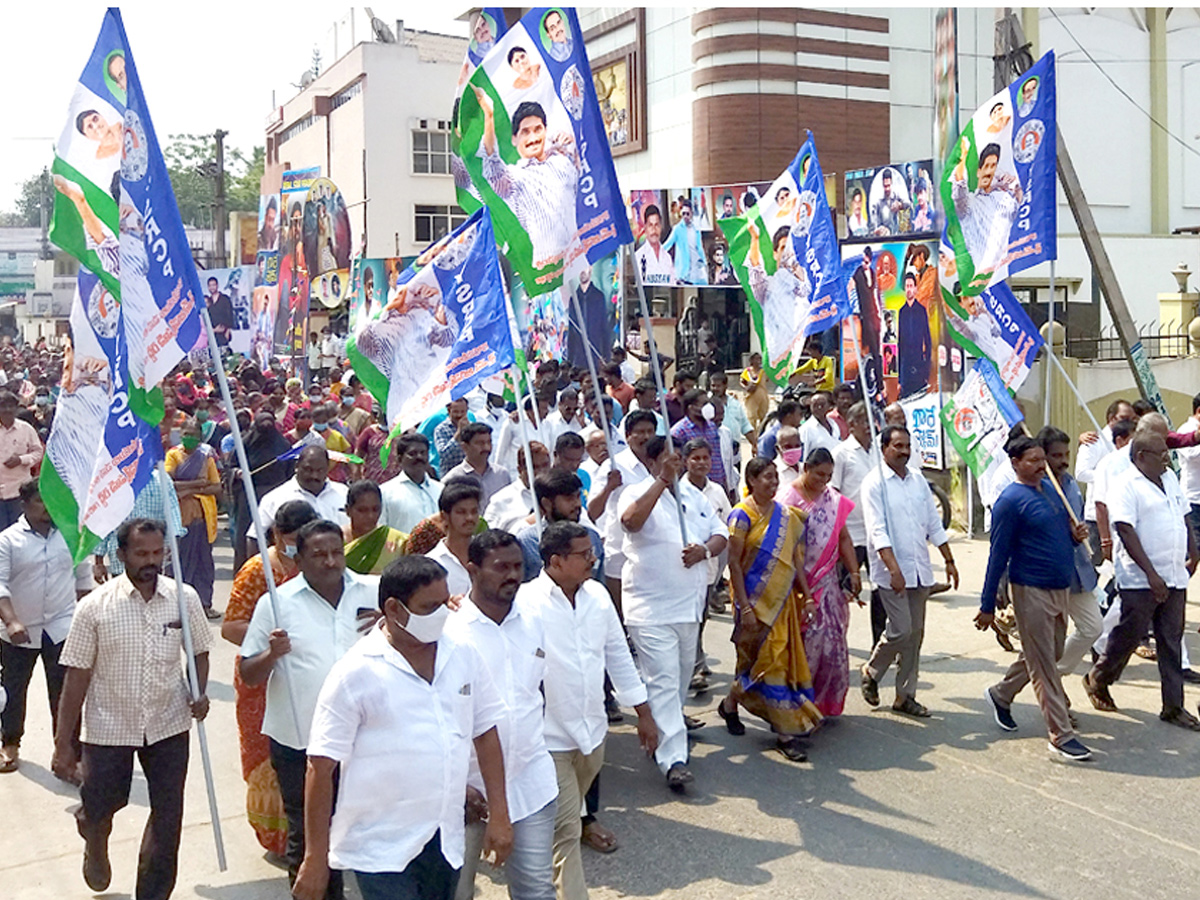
<point x="17" y="663"/>
<point x="107" y="774"/>
<point x="530" y="866"/>
<point x="428" y="877"/>
<point x="290" y="768"/>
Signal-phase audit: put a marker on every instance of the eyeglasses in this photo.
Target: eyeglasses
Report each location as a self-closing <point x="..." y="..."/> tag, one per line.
<point x="589" y="554"/>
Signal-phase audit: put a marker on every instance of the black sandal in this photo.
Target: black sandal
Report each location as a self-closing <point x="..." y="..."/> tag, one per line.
<point x="733" y="723"/>
<point x="792" y="748"/>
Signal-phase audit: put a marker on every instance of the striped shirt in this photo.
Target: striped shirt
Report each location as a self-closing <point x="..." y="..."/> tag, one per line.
<point x="542" y="194"/>
<point x="986" y="219"/>
<point x="685" y="430"/>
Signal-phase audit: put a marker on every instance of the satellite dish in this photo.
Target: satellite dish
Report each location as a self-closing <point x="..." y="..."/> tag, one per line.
<point x="383" y="33"/>
<point x="307" y="78"/>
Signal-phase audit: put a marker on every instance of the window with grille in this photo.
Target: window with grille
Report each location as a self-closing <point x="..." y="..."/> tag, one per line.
<point x="431" y="150"/>
<point x="433" y="222"/>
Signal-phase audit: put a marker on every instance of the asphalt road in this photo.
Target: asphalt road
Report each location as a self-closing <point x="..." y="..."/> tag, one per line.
<point x="887" y="806"/>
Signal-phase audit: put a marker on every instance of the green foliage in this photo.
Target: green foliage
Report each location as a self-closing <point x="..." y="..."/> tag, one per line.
<point x="27" y="212"/>
<point x="187" y="156"/>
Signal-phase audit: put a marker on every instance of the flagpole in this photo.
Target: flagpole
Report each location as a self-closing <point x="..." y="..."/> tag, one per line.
<point x="1049" y="337"/>
<point x="537" y="507"/>
<point x="877" y="449"/>
<point x="662" y="391"/>
<point x="1071" y="384"/>
<point x="587" y="351"/>
<point x="252" y="507"/>
<point x="189" y="652"/>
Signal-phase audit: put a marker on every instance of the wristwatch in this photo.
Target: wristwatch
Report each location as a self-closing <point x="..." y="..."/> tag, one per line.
<point x="707" y="552"/>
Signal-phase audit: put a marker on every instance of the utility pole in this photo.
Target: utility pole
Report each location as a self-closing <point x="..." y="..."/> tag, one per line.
<point x="220" y="223"/>
<point x="1012" y="58"/>
<point x="44" y="196"/>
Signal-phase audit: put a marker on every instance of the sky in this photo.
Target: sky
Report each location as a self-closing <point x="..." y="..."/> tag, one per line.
<point x="203" y="66"/>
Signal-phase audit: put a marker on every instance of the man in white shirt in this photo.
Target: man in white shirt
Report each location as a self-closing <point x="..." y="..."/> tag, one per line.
<point x="736" y="419"/>
<point x="566" y="417"/>
<point x="459" y="506"/>
<point x="852" y="461"/>
<point x="583" y="638"/>
<point x="510" y="439"/>
<point x="476" y="441"/>
<point x="311" y="484"/>
<point x="645" y="397"/>
<point x="664" y="585"/>
<point x="1189" y="468"/>
<point x="321" y="612"/>
<point x="509" y="508"/>
<point x="396" y="720"/>
<point x="413" y="494"/>
<point x="1155" y="558"/>
<point x="652" y="258"/>
<point x="901" y="516"/>
<point x="1092" y="449"/>
<point x="817" y="430"/>
<point x="39" y="585"/>
<point x="512" y="645"/>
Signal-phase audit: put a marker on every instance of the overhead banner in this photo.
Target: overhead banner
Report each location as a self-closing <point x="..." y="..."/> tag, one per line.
<point x="136" y="311"/>
<point x="533" y="143"/>
<point x="978" y="419"/>
<point x="785" y="254"/>
<point x="444" y="331"/>
<point x="998" y="186"/>
<point x="891" y="201"/>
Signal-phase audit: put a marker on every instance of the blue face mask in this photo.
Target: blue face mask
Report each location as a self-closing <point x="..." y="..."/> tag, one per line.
<point x="320" y="426"/>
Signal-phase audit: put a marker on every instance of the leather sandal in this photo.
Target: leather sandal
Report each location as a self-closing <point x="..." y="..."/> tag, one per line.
<point x="733" y="722"/>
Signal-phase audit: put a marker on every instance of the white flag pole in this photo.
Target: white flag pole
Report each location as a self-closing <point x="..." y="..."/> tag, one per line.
<point x="251" y="505"/>
<point x="587" y="351"/>
<point x="189" y="652"/>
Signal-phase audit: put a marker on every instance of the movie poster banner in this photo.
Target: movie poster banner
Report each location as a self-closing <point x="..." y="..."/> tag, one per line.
<point x="533" y="143"/>
<point x="598" y="291"/>
<point x="896" y="319"/>
<point x="978" y="419"/>
<point x="292" y="304"/>
<point x="922" y="414"/>
<point x="327" y="243"/>
<point x="374" y="283"/>
<point x="891" y="201"/>
<point x="444" y="331"/>
<point x="228" y="293"/>
<point x="998" y="186"/>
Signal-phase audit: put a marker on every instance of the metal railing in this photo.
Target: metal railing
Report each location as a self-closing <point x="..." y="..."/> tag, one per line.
<point x="1170" y="340"/>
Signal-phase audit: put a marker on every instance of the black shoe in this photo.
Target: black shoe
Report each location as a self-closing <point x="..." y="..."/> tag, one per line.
<point x="614" y="713"/>
<point x="792" y="749"/>
<point x="1191" y="676"/>
<point x="1072" y="751"/>
<point x="1002" y="714"/>
<point x="679" y="777"/>
<point x="870" y="688"/>
<point x="733" y="722"/>
<point x="691" y="723"/>
<point x="97" y="871"/>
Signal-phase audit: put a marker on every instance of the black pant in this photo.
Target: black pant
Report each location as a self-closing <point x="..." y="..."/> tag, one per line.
<point x="10" y="511"/>
<point x="107" y="772"/>
<point x="1138" y="612"/>
<point x="18" y="663"/>
<point x="290" y="767"/>
<point x="428" y="877"/>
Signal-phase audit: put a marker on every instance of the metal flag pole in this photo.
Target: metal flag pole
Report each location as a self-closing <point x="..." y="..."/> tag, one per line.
<point x="1083" y="403"/>
<point x="1049" y="337"/>
<point x="537" y="509"/>
<point x="587" y="351"/>
<point x="876" y="448"/>
<point x="251" y="505"/>
<point x="189" y="652"/>
<point x="662" y="391"/>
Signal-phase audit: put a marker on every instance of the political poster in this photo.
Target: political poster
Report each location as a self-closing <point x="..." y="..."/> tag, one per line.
<point x="137" y="306"/>
<point x="268" y="223"/>
<point x="444" y="331"/>
<point x="374" y="283"/>
<point x="292" y="304"/>
<point x="895" y="200"/>
<point x="993" y="325"/>
<point x="785" y="254"/>
<point x="895" y="318"/>
<point x="978" y="419"/>
<point x="998" y="186"/>
<point x="533" y="144"/>
<point x="327" y="243"/>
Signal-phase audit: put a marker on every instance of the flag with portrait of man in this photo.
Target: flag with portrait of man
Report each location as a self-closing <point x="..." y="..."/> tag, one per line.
<point x="137" y="307"/>
<point x="533" y="145"/>
<point x="998" y="186"/>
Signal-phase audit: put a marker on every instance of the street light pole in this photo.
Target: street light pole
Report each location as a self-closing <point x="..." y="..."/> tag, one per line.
<point x="219" y="224"/>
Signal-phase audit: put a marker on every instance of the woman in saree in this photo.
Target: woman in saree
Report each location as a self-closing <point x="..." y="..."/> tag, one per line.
<point x="826" y="541"/>
<point x="193" y="467"/>
<point x="766" y="572"/>
<point x="369" y="545"/>
<point x="754" y="383"/>
<point x="264" y="805"/>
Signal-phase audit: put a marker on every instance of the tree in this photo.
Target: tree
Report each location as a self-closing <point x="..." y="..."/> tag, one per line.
<point x="196" y="192"/>
<point x="27" y="212"/>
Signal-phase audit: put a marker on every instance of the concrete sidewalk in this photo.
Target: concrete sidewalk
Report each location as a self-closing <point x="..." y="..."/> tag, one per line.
<point x="887" y="807"/>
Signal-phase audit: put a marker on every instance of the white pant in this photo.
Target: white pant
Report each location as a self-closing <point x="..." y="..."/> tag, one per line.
<point x="666" y="657"/>
<point x="1083" y="609"/>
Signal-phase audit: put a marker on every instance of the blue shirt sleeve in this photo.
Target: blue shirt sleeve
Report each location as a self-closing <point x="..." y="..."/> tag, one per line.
<point x="1005" y="516"/>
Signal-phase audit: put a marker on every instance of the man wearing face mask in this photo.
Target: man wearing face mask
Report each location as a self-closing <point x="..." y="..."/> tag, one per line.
<point x="697" y="423"/>
<point x="512" y="645"/>
<point x="311" y="484"/>
<point x="321" y="614"/>
<point x="20" y="452"/>
<point x="789" y="459"/>
<point x="397" y="719"/>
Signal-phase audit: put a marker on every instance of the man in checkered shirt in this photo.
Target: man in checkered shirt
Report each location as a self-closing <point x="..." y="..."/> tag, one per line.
<point x="123" y="656"/>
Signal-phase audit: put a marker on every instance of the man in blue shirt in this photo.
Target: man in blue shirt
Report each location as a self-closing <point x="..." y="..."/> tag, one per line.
<point x="1034" y="538"/>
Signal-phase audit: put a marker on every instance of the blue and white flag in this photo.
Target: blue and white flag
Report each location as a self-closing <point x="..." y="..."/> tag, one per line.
<point x="998" y="186"/>
<point x="535" y="151"/>
<point x="785" y="253"/>
<point x="443" y="330"/>
<point x="994" y="326"/>
<point x="138" y="301"/>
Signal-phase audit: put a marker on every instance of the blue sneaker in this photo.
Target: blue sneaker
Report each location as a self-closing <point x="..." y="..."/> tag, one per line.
<point x="1072" y="751"/>
<point x="1002" y="714"/>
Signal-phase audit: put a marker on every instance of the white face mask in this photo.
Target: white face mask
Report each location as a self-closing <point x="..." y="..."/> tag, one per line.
<point x="708" y="411"/>
<point x="288" y="550"/>
<point x="428" y="628"/>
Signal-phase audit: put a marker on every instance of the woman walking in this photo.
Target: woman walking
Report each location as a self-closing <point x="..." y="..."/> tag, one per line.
<point x="826" y="540"/>
<point x="193" y="466"/>
<point x="264" y="805"/>
<point x="754" y="383"/>
<point x="766" y="572"/>
<point x="369" y="545"/>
